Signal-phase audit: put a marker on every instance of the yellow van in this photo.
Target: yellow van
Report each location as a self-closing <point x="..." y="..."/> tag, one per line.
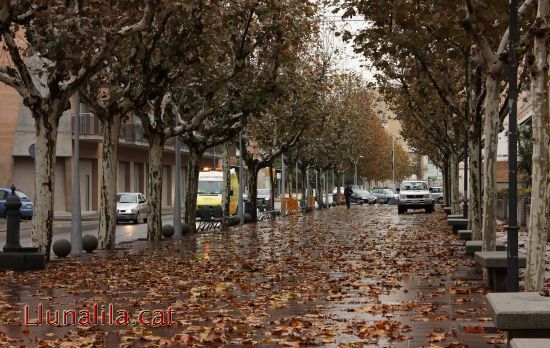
<point x="211" y="187"/>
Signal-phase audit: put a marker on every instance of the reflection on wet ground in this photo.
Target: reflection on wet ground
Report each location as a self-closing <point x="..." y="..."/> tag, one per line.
<point x="364" y="277"/>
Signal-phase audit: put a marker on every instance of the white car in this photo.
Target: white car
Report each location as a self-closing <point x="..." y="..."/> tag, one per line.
<point x="414" y="195"/>
<point x="131" y="206"/>
<point x="437" y="194"/>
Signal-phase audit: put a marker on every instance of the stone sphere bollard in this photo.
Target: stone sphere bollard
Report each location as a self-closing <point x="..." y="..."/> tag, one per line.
<point x="234" y="220"/>
<point x="185" y="228"/>
<point x="89" y="243"/>
<point x="167" y="231"/>
<point x="61" y="248"/>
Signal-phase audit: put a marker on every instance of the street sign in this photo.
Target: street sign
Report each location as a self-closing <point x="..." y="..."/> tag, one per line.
<point x="32" y="150"/>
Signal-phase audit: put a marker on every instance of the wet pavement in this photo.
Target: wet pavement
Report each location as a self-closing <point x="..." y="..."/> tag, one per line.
<point x="125" y="231"/>
<point x="363" y="277"/>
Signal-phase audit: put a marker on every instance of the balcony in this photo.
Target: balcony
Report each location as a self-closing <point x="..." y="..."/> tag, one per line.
<point x="130" y="133"/>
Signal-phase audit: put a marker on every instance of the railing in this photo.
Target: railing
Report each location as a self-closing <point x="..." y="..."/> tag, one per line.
<point x="89" y="125"/>
<point x="129" y="132"/>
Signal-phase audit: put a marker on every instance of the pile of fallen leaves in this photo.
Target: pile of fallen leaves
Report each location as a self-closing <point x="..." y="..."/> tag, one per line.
<point x="334" y="277"/>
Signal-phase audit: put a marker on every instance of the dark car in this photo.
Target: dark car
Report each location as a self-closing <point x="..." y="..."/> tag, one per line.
<point x="27" y="207"/>
<point x="362" y="196"/>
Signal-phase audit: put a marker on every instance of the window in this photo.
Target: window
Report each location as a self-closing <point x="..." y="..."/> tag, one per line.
<point x="210" y="187"/>
<point x="3" y="195"/>
<point x="414" y="186"/>
<point x="20" y="194"/>
<point x="126" y="198"/>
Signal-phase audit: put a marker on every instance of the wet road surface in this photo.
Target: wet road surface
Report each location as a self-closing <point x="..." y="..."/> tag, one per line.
<point x="363" y="277"/>
<point x="125" y="231"/>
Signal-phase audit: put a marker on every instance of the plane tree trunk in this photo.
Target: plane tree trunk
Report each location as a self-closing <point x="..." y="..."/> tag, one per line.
<point x="540" y="194"/>
<point x="455" y="199"/>
<point x="46" y="124"/>
<point x="193" y="169"/>
<point x="474" y="181"/>
<point x="252" y="183"/>
<point x="109" y="166"/>
<point x="226" y="193"/>
<point x="154" y="220"/>
<point x="320" y="189"/>
<point x="491" y="128"/>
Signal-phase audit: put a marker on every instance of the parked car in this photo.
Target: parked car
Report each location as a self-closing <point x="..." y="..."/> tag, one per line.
<point x="362" y="196"/>
<point x="131" y="206"/>
<point x="437" y="194"/>
<point x="383" y="195"/>
<point x="414" y="195"/>
<point x="27" y="206"/>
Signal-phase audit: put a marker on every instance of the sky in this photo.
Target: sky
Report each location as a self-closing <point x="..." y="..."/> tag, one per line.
<point x="347" y="59"/>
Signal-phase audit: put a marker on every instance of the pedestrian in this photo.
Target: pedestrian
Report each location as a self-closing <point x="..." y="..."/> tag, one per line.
<point x="347" y="193"/>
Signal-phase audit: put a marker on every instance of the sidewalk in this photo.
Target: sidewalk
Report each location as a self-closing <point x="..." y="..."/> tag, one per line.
<point x="363" y="277"/>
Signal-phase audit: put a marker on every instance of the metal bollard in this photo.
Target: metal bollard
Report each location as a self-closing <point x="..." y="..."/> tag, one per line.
<point x="13" y="216"/>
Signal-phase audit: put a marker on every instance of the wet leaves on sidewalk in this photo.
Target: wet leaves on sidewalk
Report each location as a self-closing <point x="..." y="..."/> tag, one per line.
<point x="367" y="276"/>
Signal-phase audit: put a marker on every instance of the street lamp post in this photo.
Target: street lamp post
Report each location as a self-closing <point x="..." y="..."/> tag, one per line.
<point x="76" y="233"/>
<point x="355" y="173"/>
<point x="512" y="233"/>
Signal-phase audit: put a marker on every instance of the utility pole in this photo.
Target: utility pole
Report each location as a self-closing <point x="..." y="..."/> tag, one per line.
<point x="512" y="233"/>
<point x="76" y="233"/>
<point x="177" y="198"/>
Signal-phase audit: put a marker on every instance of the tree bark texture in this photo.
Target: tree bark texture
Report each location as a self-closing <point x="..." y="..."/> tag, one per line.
<point x="303" y="175"/>
<point x="226" y="194"/>
<point x="42" y="222"/>
<point x="272" y="180"/>
<point x="154" y="222"/>
<point x="320" y="188"/>
<point x="109" y="168"/>
<point x="455" y="182"/>
<point x="446" y="185"/>
<point x="252" y="183"/>
<point x="193" y="169"/>
<point x="491" y="128"/>
<point x="474" y="205"/>
<point x="540" y="194"/>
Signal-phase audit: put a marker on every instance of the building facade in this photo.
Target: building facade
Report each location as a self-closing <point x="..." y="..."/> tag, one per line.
<point x="17" y="138"/>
